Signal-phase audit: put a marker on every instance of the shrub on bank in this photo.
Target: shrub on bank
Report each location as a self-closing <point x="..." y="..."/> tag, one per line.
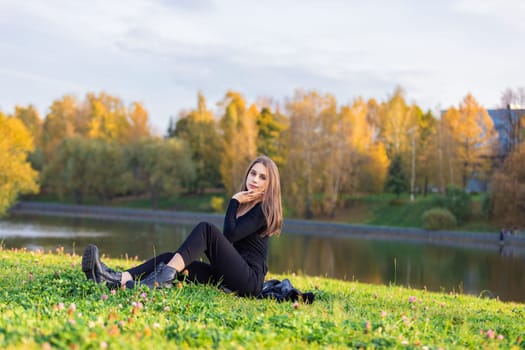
<point x="438" y="219"/>
<point x="457" y="201"/>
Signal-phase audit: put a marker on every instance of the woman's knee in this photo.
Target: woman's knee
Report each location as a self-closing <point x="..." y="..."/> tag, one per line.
<point x="208" y="228"/>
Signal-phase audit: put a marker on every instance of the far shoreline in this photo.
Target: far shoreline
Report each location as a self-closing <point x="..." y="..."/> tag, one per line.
<point x="291" y="226"/>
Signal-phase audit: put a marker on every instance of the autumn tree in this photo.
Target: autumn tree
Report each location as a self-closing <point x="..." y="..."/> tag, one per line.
<point x="33" y="123"/>
<point x="199" y="130"/>
<point x="31" y="120"/>
<point x="17" y="176"/>
<point x="137" y="126"/>
<point x="427" y="152"/>
<point x="107" y="118"/>
<point x="60" y="123"/>
<point x="513" y="120"/>
<point x="305" y="150"/>
<point x="239" y="133"/>
<point x="471" y="140"/>
<point x="367" y="160"/>
<point x="397" y="121"/>
<point x="270" y="127"/>
<point x="508" y="191"/>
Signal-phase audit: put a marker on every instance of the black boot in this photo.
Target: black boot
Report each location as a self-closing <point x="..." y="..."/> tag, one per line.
<point x="96" y="270"/>
<point x="162" y="277"/>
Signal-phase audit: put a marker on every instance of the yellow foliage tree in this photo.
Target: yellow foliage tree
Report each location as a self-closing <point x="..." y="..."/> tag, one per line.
<point x="17" y="176"/>
<point x="471" y="140"/>
<point x="60" y="124"/>
<point x="107" y="118"/>
<point x="238" y="125"/>
<point x="138" y="124"/>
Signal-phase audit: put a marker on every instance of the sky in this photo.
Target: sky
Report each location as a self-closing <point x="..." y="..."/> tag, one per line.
<point x="163" y="52"/>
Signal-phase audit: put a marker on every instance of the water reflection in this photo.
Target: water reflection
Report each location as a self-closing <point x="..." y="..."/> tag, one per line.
<point x="492" y="271"/>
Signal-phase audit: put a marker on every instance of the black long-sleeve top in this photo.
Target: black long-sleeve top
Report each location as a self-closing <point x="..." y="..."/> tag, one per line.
<point x="245" y="234"/>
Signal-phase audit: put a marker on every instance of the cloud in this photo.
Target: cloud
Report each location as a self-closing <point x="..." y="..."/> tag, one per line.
<point x="162" y="52"/>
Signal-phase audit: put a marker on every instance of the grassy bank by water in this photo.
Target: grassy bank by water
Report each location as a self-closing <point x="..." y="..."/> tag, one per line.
<point x="377" y="210"/>
<point x="45" y="302"/>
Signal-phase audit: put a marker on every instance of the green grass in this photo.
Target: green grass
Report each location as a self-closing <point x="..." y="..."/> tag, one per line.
<point x="45" y="302"/>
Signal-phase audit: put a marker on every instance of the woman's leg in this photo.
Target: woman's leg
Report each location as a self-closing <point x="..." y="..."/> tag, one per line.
<point x="226" y="264"/>
<point x="198" y="272"/>
<point x="145" y="268"/>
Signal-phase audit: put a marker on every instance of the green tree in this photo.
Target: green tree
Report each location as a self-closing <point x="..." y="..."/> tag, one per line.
<point x="199" y="130"/>
<point x="106" y="170"/>
<point x="396" y="181"/>
<point x="16" y="175"/>
<point x="84" y="168"/>
<point x="162" y="166"/>
<point x="67" y="173"/>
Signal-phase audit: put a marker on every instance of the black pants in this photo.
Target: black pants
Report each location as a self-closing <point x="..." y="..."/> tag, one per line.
<point x="227" y="267"/>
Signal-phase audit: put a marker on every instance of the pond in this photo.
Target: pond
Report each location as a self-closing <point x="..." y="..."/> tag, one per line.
<point x="491" y="271"/>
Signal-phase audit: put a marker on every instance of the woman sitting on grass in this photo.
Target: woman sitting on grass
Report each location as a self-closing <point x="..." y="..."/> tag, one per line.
<point x="237" y="257"/>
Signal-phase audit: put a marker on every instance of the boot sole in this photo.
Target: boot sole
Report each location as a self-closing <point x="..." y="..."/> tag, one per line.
<point x="88" y="263"/>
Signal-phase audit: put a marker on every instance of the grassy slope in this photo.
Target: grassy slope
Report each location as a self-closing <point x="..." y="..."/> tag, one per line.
<point x="45" y="302"/>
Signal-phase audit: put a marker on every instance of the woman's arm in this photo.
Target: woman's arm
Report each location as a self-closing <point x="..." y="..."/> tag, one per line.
<point x="235" y="228"/>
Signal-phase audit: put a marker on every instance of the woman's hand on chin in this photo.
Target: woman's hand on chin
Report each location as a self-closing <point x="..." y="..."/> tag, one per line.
<point x="248" y="196"/>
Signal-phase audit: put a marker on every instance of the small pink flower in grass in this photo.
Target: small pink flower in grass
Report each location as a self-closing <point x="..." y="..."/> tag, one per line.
<point x="490" y="334"/>
<point x="296" y="305"/>
<point x="104" y="296"/>
<point x="500" y="337"/>
<point x="122" y="323"/>
<point x="71" y="309"/>
<point x="61" y="306"/>
<point x="143" y="295"/>
<point x="166" y="308"/>
<point x="411" y="299"/>
<point x="368" y="326"/>
<point x="383" y="314"/>
<point x="103" y="345"/>
<point x="113" y="292"/>
<point x="134" y="304"/>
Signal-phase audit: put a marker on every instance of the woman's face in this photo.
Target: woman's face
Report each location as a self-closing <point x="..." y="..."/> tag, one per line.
<point x="257" y="179"/>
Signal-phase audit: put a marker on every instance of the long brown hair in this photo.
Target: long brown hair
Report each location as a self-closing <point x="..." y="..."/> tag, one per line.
<point x="271" y="201"/>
